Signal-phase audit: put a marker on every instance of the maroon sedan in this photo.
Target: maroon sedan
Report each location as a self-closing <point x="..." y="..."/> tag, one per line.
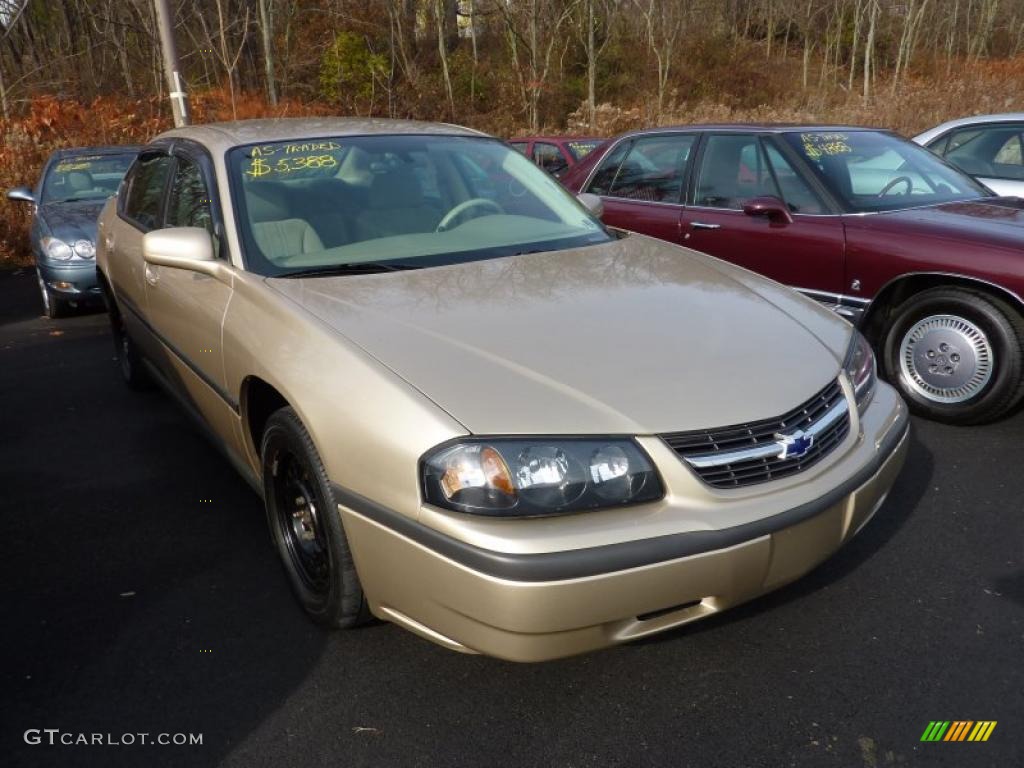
<point x="924" y="259"/>
<point x="556" y="154"/>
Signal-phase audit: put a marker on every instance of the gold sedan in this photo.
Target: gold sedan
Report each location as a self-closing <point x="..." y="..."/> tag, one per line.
<point x="470" y="408"/>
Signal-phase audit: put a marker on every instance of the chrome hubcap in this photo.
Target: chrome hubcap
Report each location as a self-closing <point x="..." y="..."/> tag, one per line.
<point x="946" y="359"/>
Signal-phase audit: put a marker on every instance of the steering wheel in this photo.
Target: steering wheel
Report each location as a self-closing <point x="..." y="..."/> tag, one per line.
<point x="904" y="179"/>
<point x="458" y="210"/>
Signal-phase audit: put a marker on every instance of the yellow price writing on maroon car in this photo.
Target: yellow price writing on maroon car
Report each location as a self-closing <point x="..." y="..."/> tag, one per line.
<point x="818" y="144"/>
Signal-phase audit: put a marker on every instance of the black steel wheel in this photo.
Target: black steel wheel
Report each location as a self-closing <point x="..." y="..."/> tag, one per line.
<point x="305" y="525"/>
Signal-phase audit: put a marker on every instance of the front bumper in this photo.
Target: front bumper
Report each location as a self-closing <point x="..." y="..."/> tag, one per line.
<point x="71" y="282"/>
<point x="537" y="606"/>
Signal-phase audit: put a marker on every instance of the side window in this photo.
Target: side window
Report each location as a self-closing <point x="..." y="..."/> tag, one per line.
<point x="609" y="167"/>
<point x="653" y="169"/>
<point x="795" y="191"/>
<point x="189" y="205"/>
<point x="1009" y="160"/>
<point x="995" y="151"/>
<point x="733" y="170"/>
<point x="144" y="202"/>
<point x="961" y="138"/>
<point x="549" y="157"/>
<point x="519" y="146"/>
<point x="939" y="145"/>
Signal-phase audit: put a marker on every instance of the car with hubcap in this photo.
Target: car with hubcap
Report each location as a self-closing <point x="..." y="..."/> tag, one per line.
<point x="925" y="260"/>
<point x="72" y="188"/>
<point x="470" y="408"/>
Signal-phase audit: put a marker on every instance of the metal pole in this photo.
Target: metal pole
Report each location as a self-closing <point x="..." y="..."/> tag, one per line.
<point x="179" y="98"/>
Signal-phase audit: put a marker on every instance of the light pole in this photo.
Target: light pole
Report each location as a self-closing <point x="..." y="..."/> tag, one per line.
<point x="179" y="98"/>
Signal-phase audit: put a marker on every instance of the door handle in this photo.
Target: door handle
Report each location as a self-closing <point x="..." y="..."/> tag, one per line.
<point x="703" y="225"/>
<point x="152" y="275"/>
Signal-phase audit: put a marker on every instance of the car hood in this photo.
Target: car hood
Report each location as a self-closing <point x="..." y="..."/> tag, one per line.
<point x="996" y="221"/>
<point x="630" y="337"/>
<point x="72" y="221"/>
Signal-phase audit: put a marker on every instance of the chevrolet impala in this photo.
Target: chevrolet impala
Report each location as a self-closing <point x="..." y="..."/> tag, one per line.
<point x="470" y="408"/>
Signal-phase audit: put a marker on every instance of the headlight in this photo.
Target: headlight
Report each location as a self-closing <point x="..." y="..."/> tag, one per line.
<point x="57" y="249"/>
<point x="532" y="477"/>
<point x="861" y="370"/>
<point x="84" y="249"/>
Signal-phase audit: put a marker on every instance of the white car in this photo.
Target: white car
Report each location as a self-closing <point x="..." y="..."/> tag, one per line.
<point x="988" y="147"/>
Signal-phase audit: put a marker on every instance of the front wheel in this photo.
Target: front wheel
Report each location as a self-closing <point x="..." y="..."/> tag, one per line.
<point x="956" y="355"/>
<point x="52" y="306"/>
<point x="306" y="527"/>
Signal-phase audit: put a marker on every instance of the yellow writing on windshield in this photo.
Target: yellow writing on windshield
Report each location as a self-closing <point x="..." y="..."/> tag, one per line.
<point x="65" y="167"/>
<point x="305" y="148"/>
<point x="260" y="167"/>
<point x="818" y="144"/>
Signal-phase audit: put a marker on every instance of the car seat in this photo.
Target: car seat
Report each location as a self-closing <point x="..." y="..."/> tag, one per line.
<point x="395" y="206"/>
<point x="277" y="233"/>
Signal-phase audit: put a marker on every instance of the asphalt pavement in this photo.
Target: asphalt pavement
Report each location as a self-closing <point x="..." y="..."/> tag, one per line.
<point x="140" y="594"/>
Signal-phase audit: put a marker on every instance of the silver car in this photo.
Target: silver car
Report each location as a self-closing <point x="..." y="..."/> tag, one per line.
<point x="988" y="147"/>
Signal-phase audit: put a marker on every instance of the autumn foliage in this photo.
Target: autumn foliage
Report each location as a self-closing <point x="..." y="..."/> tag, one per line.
<point x="922" y="99"/>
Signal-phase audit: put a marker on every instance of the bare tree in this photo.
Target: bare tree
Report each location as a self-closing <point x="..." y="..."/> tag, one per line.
<point x="663" y="23"/>
<point x="266" y="8"/>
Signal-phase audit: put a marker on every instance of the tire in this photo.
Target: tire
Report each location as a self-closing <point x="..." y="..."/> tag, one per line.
<point x="53" y="307"/>
<point x="129" y="360"/>
<point x="305" y="526"/>
<point x="956" y="355"/>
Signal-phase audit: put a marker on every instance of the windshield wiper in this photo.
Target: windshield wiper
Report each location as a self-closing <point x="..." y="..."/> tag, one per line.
<point x="355" y="268"/>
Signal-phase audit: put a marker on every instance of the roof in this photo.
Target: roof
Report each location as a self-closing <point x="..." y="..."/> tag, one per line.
<point x="223" y="136"/>
<point x="760" y="127"/>
<point x="1005" y="117"/>
<point x="550" y="137"/>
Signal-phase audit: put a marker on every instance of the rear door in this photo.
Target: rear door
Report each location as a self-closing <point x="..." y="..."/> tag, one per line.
<point x="186" y="309"/>
<point x="641" y="181"/>
<point x="807" y="253"/>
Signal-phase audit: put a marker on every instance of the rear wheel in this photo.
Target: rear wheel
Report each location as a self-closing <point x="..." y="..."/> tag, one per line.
<point x="305" y="526"/>
<point x="956" y="355"/>
<point x="129" y="359"/>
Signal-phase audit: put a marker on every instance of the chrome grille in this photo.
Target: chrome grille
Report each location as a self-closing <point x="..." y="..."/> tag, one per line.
<point x="747" y="454"/>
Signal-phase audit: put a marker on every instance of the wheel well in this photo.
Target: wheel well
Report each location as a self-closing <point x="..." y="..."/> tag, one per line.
<point x="901" y="289"/>
<point x="259" y="401"/>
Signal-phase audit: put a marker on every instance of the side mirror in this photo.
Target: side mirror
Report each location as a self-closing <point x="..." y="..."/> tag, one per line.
<point x="21" y="194"/>
<point x="188" y="248"/>
<point x="592" y="203"/>
<point x="769" y="206"/>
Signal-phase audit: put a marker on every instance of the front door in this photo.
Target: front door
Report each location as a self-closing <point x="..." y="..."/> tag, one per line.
<point x="641" y="183"/>
<point x="186" y="309"/>
<point x="807" y="253"/>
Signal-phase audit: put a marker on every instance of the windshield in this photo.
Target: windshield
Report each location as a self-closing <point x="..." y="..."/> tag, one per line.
<point x="85" y="177"/>
<point x="413" y="201"/>
<point x="870" y="171"/>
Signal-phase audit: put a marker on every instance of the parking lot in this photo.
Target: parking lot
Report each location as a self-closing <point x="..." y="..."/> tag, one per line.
<point x="141" y="595"/>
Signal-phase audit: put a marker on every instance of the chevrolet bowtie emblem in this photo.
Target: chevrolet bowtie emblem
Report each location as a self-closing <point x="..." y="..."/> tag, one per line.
<point x="794" y="445"/>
